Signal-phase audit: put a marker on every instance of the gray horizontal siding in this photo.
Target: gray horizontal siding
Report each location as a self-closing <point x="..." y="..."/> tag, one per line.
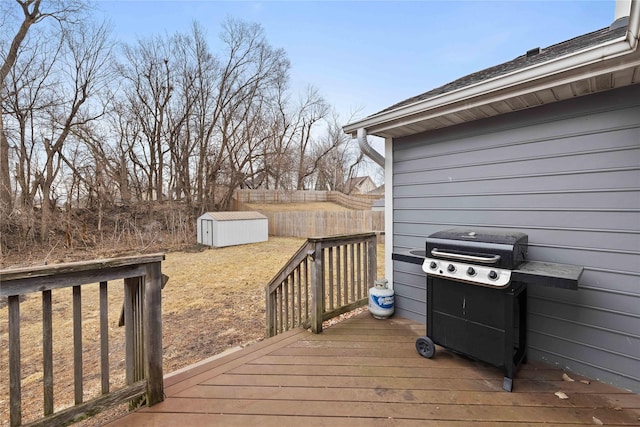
<point x="568" y="175"/>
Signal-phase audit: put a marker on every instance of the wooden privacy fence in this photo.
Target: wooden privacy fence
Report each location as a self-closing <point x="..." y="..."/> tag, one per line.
<point x="326" y="277"/>
<point x="358" y="202"/>
<point x="303" y="223"/>
<point x="143" y="332"/>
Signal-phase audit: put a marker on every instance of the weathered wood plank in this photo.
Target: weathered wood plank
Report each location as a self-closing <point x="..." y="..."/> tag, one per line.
<point x="77" y="345"/>
<point x="129" y="329"/>
<point x="397" y="352"/>
<point x="104" y="338"/>
<point x="189" y="378"/>
<point x="242" y="420"/>
<point x="442" y="397"/>
<point x="15" y="375"/>
<point x="76" y="267"/>
<point x="367" y="371"/>
<point x="344" y="309"/>
<point x="92" y="407"/>
<point x="152" y="327"/>
<point x="47" y="352"/>
<point x="413" y="410"/>
<point x="28" y="285"/>
<point x="317" y="289"/>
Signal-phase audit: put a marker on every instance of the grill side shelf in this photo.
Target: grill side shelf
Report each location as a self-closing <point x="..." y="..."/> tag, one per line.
<point x="563" y="276"/>
<point x="414" y="256"/>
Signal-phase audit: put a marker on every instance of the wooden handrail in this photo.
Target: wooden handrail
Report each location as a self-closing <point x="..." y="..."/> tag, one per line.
<point x="326" y="277"/>
<point x="143" y="331"/>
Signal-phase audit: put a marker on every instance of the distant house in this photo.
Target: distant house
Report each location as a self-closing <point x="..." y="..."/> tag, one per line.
<point x="359" y="185"/>
<point x="547" y="144"/>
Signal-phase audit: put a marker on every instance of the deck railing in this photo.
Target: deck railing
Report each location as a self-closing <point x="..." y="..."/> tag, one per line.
<point x="143" y="332"/>
<point x="326" y="277"/>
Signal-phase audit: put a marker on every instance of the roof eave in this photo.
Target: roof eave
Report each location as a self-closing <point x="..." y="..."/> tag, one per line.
<point x="603" y="58"/>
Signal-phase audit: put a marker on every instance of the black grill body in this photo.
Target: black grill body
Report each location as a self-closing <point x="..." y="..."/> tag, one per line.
<point x="474" y="314"/>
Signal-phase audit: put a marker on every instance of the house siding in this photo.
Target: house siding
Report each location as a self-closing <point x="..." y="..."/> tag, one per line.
<point x="568" y="175"/>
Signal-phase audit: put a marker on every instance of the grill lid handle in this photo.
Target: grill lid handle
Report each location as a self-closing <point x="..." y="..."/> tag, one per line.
<point x="470" y="258"/>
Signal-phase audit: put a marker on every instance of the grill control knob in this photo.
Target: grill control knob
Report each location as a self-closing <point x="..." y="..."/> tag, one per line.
<point x="451" y="268"/>
<point x="471" y="271"/>
<point x="493" y="275"/>
<point x="433" y="265"/>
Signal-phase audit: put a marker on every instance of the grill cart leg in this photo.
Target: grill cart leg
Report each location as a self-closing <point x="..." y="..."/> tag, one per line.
<point x="514" y="354"/>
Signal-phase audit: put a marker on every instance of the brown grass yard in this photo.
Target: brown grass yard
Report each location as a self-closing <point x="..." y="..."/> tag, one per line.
<point x="214" y="301"/>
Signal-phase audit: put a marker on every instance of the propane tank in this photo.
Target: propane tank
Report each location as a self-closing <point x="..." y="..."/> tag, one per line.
<point x="381" y="299"/>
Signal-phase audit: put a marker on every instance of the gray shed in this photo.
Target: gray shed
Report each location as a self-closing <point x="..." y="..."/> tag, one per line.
<point x="220" y="229"/>
<point x="548" y="144"/>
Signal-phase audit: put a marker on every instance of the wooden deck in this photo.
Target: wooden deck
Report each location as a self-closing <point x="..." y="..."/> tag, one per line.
<point x="366" y="372"/>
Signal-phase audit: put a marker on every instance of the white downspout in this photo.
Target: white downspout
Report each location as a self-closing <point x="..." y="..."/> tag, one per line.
<point x="367" y="149"/>
<point x="386" y="163"/>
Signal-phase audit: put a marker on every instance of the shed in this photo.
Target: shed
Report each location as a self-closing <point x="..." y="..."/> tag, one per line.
<point x="220" y="229"/>
<point x="549" y="144"/>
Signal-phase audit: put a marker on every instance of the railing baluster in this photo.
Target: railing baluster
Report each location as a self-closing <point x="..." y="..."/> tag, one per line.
<point x="338" y="278"/>
<point x="280" y="311"/>
<point x="299" y="294"/>
<point x="47" y="352"/>
<point x="77" y="345"/>
<point x="129" y="329"/>
<point x="331" y="297"/>
<point x="317" y="289"/>
<point x="307" y="284"/>
<point x="352" y="267"/>
<point x="15" y="377"/>
<point x="359" y="264"/>
<point x="104" y="338"/>
<point x="287" y="283"/>
<point x="372" y="261"/>
<point x="345" y="276"/>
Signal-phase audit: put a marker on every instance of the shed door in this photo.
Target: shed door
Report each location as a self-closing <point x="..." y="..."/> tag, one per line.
<point x="207" y="232"/>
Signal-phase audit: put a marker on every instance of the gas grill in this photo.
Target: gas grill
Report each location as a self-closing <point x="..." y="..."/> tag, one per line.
<point x="474" y="305"/>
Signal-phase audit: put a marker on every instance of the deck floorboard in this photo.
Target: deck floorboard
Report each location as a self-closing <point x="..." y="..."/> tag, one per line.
<point x="366" y="372"/>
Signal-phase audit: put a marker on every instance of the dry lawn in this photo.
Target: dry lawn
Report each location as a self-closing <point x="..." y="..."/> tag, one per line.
<point x="214" y="300"/>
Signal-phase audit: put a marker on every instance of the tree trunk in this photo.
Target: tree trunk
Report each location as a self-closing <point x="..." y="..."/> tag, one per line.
<point x="5" y="176"/>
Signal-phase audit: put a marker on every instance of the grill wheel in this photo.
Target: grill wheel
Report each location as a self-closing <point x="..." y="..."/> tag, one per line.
<point x="426" y="347"/>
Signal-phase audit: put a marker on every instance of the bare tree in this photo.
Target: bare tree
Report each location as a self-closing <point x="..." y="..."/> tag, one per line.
<point x="342" y="159"/>
<point x="313" y="109"/>
<point x="51" y="89"/>
<point x="27" y="13"/>
<point x="247" y="74"/>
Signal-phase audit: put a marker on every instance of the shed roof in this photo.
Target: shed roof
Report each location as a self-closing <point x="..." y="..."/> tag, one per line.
<point x="235" y="215"/>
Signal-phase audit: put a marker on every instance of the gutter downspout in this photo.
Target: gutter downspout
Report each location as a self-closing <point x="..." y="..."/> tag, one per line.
<point x="367" y="149"/>
<point x="633" y="28"/>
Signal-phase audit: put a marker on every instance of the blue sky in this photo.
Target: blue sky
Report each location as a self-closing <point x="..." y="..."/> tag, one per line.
<point x="368" y="55"/>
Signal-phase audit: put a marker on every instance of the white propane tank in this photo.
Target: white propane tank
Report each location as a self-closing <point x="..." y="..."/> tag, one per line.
<point x="381" y="299"/>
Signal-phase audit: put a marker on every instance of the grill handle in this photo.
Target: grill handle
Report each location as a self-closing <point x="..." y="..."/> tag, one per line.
<point x="470" y="258"/>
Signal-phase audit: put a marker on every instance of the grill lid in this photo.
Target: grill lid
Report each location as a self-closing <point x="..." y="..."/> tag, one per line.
<point x="501" y="237"/>
<point x="499" y="248"/>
